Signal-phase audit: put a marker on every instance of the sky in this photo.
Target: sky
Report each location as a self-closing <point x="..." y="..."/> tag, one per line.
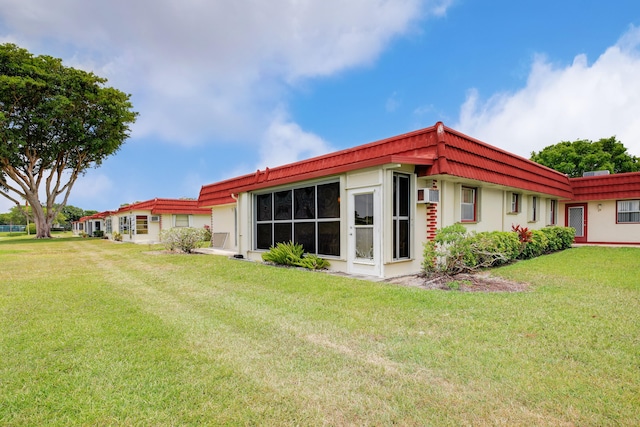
<point x="224" y="88"/>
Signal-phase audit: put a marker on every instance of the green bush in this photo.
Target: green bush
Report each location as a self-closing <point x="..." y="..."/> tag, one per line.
<point x="185" y="239"/>
<point x="560" y="238"/>
<point x="32" y="228"/>
<point x="98" y="233"/>
<point x="292" y="254"/>
<point x="455" y="251"/>
<point x="538" y="245"/>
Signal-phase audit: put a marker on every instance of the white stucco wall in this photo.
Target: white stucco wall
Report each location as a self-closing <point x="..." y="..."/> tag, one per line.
<point x="602" y="226"/>
<point x="223" y="220"/>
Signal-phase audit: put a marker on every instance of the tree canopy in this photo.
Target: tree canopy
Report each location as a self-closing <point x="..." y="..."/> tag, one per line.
<point x="575" y="158"/>
<point x="55" y="123"/>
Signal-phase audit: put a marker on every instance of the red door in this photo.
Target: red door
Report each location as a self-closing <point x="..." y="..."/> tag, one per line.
<point x="576" y="217"/>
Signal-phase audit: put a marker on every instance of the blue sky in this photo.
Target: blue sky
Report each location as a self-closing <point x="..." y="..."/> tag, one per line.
<point x="224" y="88"/>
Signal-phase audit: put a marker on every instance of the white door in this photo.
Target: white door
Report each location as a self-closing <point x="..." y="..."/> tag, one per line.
<point x="363" y="240"/>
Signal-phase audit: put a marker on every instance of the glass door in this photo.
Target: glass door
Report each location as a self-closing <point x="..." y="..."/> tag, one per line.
<point x="364" y="232"/>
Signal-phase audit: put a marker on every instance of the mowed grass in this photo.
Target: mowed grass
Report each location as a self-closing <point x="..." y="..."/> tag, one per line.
<point x="98" y="333"/>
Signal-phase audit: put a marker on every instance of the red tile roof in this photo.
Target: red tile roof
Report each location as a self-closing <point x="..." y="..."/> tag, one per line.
<point x="606" y="187"/>
<point x="99" y="215"/>
<point x="437" y="150"/>
<point x="167" y="206"/>
<point x="466" y="157"/>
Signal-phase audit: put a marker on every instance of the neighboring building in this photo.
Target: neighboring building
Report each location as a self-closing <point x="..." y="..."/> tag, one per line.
<point x="605" y="209"/>
<point x="89" y="224"/>
<point x="369" y="209"/>
<point x="142" y="222"/>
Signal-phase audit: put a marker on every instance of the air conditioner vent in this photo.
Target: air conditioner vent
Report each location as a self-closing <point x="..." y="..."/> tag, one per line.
<point x="595" y="173"/>
<point x="155" y="218"/>
<point x="427" y="195"/>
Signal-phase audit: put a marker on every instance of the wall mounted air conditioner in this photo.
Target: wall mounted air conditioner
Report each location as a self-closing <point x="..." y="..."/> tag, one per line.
<point x="427" y="195"/>
<point x="155" y="218"/>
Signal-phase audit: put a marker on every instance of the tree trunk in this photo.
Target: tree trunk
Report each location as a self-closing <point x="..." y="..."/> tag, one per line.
<point x="43" y="226"/>
<point x="43" y="229"/>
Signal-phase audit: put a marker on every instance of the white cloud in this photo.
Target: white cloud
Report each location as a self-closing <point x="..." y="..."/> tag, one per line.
<point x="579" y="101"/>
<point x="89" y="189"/>
<point x="285" y="142"/>
<point x="201" y="71"/>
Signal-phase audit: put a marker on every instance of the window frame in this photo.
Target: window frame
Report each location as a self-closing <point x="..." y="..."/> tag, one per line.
<point x="534" y="208"/>
<point x="473" y="204"/>
<point x="175" y="220"/>
<point x="398" y="219"/>
<point x="629" y="212"/>
<point x="553" y="212"/>
<point x="269" y="215"/>
<point x="515" y="203"/>
<point x="142" y="224"/>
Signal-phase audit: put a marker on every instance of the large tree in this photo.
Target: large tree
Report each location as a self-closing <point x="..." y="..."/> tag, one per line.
<point x="55" y="123"/>
<point x="575" y="158"/>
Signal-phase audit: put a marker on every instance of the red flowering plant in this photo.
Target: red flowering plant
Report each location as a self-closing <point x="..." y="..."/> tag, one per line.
<point x="524" y="234"/>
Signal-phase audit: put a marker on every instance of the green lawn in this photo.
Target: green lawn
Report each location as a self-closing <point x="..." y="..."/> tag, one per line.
<point x="98" y="333"/>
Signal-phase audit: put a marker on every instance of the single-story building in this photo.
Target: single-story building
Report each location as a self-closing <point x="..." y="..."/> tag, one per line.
<point x="369" y="209"/>
<point x="142" y="222"/>
<point x="90" y="223"/>
<point x="605" y="209"/>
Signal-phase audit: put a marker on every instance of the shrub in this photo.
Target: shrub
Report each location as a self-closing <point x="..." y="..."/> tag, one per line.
<point x="117" y="237"/>
<point x="292" y="254"/>
<point x="560" y="238"/>
<point x="185" y="239"/>
<point x="31" y="228"/>
<point x="98" y="233"/>
<point x="455" y="251"/>
<point x="538" y="245"/>
<point x="207" y="233"/>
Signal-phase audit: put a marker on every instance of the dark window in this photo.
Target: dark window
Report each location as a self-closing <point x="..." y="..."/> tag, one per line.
<point x="309" y="216"/>
<point x="282" y="232"/>
<point x="263" y="236"/>
<point x="264" y="207"/>
<point x="282" y="205"/>
<point x="329" y="238"/>
<point x="329" y="200"/>
<point x="305" y="203"/>
<point x="304" y="233"/>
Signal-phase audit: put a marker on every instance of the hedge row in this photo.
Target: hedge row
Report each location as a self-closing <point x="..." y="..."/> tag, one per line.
<point x="454" y="250"/>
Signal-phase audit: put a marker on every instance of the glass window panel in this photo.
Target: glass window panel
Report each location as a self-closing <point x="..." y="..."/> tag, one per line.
<point x="305" y="234"/>
<point x="282" y="205"/>
<point x="182" y="220"/>
<point x="468" y="208"/>
<point x="329" y="200"/>
<point x="264" y="207"/>
<point x="142" y="224"/>
<point x="329" y="238"/>
<point x="263" y="236"/>
<point x="281" y="232"/>
<point x="364" y="243"/>
<point x="402" y="239"/>
<point x="363" y="209"/>
<point x="395" y="195"/>
<point x="305" y="203"/>
<point x="403" y="199"/>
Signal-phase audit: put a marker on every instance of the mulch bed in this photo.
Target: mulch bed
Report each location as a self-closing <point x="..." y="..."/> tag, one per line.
<point x="478" y="282"/>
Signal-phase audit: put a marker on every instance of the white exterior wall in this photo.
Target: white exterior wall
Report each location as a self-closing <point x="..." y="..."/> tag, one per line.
<point x="602" y="226"/>
<point x="223" y="220"/>
<point x="493" y="215"/>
